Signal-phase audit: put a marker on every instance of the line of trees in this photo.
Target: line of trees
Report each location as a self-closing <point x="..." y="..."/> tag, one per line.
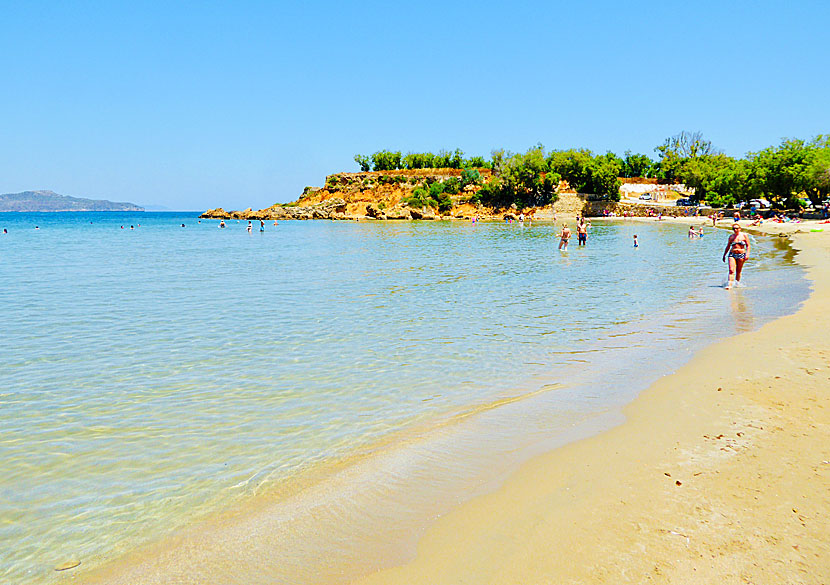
<point x="532" y="178"/>
<point x="786" y="174"/>
<point x="392" y="160"/>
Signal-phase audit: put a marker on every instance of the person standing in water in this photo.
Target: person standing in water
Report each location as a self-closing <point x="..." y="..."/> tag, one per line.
<point x="738" y="249"/>
<point x="564" y="237"/>
<point x="222" y="223"/>
<point x="250" y="227"/>
<point x="582" y="232"/>
<point x="261" y="225"/>
<point x="636" y="243"/>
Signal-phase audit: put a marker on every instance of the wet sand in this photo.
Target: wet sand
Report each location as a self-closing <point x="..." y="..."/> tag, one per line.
<point x="721" y="474"/>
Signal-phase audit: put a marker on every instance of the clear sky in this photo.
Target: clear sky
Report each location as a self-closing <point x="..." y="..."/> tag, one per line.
<point x="242" y="104"/>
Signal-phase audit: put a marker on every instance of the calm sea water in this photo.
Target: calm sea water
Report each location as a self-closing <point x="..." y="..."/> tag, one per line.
<point x="154" y="375"/>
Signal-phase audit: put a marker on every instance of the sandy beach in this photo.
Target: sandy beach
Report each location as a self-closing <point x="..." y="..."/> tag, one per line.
<point x="721" y="474"/>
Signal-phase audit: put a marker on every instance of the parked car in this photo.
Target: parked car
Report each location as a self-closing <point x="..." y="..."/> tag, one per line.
<point x="646" y="196"/>
<point x="759" y="203"/>
<point x="683" y="201"/>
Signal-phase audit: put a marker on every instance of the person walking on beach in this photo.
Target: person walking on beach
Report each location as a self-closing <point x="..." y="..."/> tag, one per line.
<point x="564" y="236"/>
<point x="581" y="232"/>
<point x="738" y="249"/>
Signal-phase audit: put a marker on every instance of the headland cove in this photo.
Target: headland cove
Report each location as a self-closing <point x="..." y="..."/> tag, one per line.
<point x="283" y="527"/>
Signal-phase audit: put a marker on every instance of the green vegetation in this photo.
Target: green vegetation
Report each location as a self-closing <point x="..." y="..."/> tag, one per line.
<point x="589" y="173"/>
<point x="638" y="165"/>
<point x="787" y="174"/>
<point x="362" y="161"/>
<point x="525" y="180"/>
<point x="387" y="160"/>
<point x="434" y="194"/>
<point x="470" y="176"/>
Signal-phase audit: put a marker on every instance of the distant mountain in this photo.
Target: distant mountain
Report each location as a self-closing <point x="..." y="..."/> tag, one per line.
<point x="51" y="201"/>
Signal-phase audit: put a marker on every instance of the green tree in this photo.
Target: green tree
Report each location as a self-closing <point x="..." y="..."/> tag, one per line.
<point x="477" y="162"/>
<point x="586" y="173"/>
<point x="637" y="165"/>
<point x="573" y="166"/>
<point x="363" y="161"/>
<point x="676" y="150"/>
<point x="385" y="160"/>
<point x="470" y="176"/>
<point x="818" y="172"/>
<point x="717" y="179"/>
<point x="604" y="172"/>
<point x="781" y="173"/>
<point x="523" y="179"/>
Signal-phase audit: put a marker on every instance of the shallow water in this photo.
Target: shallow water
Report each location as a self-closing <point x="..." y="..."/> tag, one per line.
<point x="156" y="375"/>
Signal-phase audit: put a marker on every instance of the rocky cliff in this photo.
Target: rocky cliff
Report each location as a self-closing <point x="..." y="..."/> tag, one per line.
<point x="369" y="195"/>
<point x="382" y="195"/>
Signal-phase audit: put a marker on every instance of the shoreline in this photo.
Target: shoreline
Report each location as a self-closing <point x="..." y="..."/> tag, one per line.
<point x="720" y="473"/>
<point x="243" y="531"/>
<point x="249" y="531"/>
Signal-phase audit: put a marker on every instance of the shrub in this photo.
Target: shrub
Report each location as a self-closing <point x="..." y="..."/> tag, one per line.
<point x="418" y="198"/>
<point x="435" y="189"/>
<point x="385" y="160"/>
<point x="363" y="161"/>
<point x="477" y="162"/>
<point x="444" y="202"/>
<point x="470" y="176"/>
<point x="451" y="186"/>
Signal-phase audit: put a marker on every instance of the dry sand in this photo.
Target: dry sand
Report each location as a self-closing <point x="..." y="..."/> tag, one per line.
<point x="721" y="474"/>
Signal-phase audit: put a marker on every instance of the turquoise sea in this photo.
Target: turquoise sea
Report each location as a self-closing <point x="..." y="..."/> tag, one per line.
<point x="334" y="384"/>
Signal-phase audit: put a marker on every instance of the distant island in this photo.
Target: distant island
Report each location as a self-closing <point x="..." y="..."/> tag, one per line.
<point x="51" y="201"/>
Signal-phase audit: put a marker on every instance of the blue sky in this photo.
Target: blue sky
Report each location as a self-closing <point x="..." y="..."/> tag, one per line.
<point x="242" y="104"/>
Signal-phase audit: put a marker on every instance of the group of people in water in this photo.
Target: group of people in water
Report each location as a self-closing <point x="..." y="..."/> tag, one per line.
<point x="582" y="226"/>
<point x="250" y="227"/>
<point x="737" y="247"/>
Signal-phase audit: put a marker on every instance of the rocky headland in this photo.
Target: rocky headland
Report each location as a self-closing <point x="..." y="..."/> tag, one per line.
<point x="383" y="195"/>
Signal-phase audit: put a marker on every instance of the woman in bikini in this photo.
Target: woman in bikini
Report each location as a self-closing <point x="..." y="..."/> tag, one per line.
<point x="564" y="236"/>
<point x="738" y="249"/>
